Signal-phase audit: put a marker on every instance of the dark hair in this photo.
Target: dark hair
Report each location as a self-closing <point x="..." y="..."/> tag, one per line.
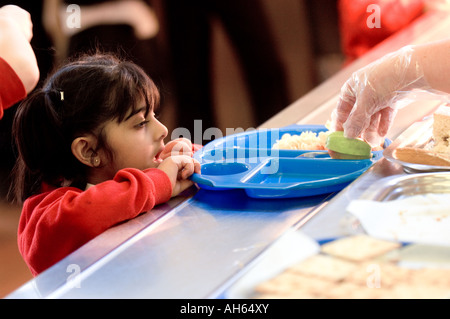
<point x="77" y="99"/>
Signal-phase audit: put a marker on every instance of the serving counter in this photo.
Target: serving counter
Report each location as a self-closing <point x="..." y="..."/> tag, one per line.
<point x="198" y="244"/>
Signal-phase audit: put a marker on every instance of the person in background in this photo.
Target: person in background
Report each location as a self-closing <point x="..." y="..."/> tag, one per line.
<point x="91" y="155"/>
<point x="365" y="23"/>
<point x="189" y="25"/>
<point x="125" y="27"/>
<point x="367" y="104"/>
<point x="18" y="65"/>
<point x="20" y="73"/>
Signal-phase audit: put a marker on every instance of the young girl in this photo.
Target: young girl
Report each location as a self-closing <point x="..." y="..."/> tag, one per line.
<point x="91" y="155"/>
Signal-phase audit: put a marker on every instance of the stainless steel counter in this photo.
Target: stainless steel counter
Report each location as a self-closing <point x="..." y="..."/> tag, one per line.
<point x="197" y="244"/>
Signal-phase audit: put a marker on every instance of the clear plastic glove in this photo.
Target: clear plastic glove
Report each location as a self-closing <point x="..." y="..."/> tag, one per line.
<point x="368" y="100"/>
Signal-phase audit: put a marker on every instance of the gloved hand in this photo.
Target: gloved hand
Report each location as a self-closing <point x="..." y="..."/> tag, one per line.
<point x="367" y="101"/>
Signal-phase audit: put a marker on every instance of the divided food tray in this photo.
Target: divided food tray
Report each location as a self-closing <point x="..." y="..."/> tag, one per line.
<point x="247" y="160"/>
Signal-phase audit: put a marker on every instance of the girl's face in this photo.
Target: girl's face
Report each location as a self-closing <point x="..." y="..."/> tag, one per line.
<point x="136" y="142"/>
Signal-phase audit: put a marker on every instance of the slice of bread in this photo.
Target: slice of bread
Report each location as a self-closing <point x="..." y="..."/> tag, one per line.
<point x="420" y="156"/>
<point x="441" y="130"/>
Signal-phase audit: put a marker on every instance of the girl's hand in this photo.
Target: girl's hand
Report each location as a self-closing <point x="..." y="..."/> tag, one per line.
<point x="179" y="146"/>
<point x="179" y="168"/>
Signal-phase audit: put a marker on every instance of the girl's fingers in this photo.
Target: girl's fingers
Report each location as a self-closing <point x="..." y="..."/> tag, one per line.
<point x="180" y="146"/>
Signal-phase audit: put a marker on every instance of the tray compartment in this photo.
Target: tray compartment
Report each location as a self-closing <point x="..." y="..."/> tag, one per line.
<point x="224" y="168"/>
<point x="279" y="172"/>
<point x="241" y="155"/>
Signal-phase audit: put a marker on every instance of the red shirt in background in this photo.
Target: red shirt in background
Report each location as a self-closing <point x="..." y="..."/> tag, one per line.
<point x="12" y="89"/>
<point x="358" y="35"/>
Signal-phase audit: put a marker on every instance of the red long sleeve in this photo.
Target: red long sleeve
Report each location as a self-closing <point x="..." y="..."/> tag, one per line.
<point x="11" y="87"/>
<point x="56" y="223"/>
<point x="358" y="35"/>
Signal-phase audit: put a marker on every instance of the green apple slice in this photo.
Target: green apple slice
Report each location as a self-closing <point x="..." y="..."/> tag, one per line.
<point x="341" y="147"/>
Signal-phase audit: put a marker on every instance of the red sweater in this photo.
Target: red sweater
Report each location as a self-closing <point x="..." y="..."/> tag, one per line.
<point x="357" y="18"/>
<point x="55" y="223"/>
<point x="11" y="87"/>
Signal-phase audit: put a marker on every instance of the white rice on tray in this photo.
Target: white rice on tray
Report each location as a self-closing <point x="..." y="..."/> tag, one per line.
<point x="305" y="141"/>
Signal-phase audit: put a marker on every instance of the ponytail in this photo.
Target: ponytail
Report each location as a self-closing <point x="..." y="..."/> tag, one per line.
<point x="79" y="98"/>
<point x="42" y="144"/>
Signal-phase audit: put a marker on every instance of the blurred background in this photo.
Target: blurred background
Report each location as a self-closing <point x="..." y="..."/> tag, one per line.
<point x="228" y="63"/>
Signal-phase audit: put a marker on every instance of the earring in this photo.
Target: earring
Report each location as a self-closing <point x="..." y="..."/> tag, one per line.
<point x="96" y="162"/>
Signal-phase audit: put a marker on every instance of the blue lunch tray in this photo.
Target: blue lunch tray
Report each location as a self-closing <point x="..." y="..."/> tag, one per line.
<point x="246" y="160"/>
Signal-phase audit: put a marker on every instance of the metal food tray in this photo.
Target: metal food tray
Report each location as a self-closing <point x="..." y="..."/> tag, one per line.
<point x="398" y="187"/>
<point x="386" y="189"/>
<point x="418" y="135"/>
